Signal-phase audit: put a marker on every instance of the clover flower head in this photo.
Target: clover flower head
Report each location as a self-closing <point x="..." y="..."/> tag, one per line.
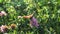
<point x="1" y="14"/>
<point x="34" y="22"/>
<point x="4" y="28"/>
<point x="4" y="13"/>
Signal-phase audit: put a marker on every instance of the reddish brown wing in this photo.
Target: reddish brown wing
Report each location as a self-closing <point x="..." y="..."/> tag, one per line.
<point x="29" y="16"/>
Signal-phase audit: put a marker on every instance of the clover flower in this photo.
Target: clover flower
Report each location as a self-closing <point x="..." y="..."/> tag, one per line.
<point x="4" y="13"/>
<point x="1" y="14"/>
<point x="34" y="22"/>
<point x="3" y="28"/>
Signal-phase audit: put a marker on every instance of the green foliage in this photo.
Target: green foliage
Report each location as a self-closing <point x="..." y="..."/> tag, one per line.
<point x="47" y="13"/>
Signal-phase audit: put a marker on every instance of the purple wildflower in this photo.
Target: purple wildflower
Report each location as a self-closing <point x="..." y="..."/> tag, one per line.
<point x="34" y="22"/>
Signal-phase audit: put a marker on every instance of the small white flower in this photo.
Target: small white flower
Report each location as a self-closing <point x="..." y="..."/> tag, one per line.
<point x="19" y="17"/>
<point x="49" y="2"/>
<point x="4" y="13"/>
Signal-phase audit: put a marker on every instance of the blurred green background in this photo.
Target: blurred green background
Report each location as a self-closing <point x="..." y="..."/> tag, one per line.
<point x="47" y="12"/>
